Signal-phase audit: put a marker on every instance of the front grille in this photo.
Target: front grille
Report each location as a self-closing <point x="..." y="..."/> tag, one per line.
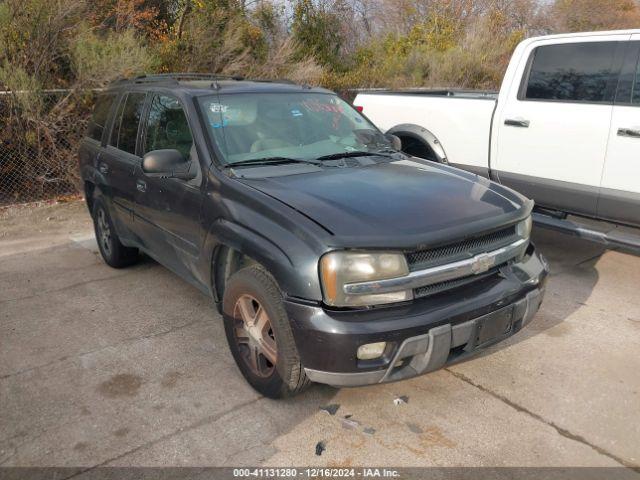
<point x="429" y="290"/>
<point x="452" y="252"/>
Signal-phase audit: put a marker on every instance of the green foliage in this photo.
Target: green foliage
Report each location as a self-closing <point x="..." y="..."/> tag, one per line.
<point x="33" y="35"/>
<point x="99" y="59"/>
<point x="589" y="15"/>
<point x="316" y="33"/>
<point x="215" y="36"/>
<point x="437" y="52"/>
<point x="26" y="95"/>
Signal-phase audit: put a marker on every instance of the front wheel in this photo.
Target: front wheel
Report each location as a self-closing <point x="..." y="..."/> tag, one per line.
<point x="259" y="335"/>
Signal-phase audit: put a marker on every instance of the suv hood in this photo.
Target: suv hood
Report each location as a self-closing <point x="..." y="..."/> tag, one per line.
<point x="393" y="204"/>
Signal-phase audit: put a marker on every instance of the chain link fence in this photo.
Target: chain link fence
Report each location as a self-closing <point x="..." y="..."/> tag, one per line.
<point x="38" y="152"/>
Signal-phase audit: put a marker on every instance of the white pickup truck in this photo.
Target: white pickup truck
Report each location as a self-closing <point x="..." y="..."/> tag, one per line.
<point x="564" y="129"/>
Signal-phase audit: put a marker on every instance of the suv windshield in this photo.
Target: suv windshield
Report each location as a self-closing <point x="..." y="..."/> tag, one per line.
<point x="301" y="126"/>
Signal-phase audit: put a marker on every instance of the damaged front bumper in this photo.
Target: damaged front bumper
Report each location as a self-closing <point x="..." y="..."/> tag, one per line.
<point x="422" y="337"/>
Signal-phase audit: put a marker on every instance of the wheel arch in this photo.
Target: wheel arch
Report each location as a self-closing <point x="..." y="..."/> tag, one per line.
<point x="424" y="139"/>
<point x="225" y="261"/>
<point x="234" y="247"/>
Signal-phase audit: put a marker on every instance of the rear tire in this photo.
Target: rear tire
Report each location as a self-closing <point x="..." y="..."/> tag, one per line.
<point x="259" y="334"/>
<point x="113" y="252"/>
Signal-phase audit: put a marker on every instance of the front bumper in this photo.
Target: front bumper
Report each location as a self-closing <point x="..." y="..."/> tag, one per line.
<point x="422" y="336"/>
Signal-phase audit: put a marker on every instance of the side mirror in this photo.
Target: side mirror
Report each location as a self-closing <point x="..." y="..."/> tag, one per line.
<point x="395" y="141"/>
<point x="167" y="164"/>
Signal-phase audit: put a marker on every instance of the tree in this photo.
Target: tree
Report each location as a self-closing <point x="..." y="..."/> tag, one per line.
<point x="590" y="15"/>
<point x="316" y="31"/>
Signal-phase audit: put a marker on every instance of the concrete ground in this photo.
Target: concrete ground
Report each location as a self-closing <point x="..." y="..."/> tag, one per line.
<point x="131" y="367"/>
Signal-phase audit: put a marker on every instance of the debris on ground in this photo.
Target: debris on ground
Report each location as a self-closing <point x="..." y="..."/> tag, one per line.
<point x="349" y="424"/>
<point x="320" y="447"/>
<point x="369" y="430"/>
<point x="348" y="416"/>
<point x="331" y="409"/>
<point x="401" y="400"/>
<point x="414" y="428"/>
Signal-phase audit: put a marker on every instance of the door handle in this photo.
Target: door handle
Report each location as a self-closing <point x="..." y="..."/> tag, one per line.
<point x="104" y="168"/>
<point x="141" y="185"/>
<point x="629" y="132"/>
<point x="517" y="122"/>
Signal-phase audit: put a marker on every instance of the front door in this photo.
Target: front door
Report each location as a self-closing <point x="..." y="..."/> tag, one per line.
<point x="552" y="129"/>
<point x="620" y="190"/>
<point x="168" y="208"/>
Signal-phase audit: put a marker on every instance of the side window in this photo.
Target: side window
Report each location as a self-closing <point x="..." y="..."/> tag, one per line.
<point x="125" y="127"/>
<point x="115" y="130"/>
<point x="628" y="74"/>
<point x="100" y="116"/>
<point x="167" y="127"/>
<point x="635" y="94"/>
<point x="574" y="72"/>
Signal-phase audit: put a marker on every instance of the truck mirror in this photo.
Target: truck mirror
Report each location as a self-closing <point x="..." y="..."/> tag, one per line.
<point x="168" y="163"/>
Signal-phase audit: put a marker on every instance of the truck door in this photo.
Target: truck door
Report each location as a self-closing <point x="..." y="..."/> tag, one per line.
<point x="551" y="127"/>
<point x="118" y="161"/>
<point x="620" y="188"/>
<point x="168" y="209"/>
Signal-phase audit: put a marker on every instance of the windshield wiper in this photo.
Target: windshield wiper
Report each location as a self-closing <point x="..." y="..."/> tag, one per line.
<point x="334" y="156"/>
<point x="269" y="161"/>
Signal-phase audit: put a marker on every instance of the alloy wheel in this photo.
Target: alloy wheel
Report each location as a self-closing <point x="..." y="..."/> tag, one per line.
<point x="104" y="232"/>
<point x="254" y="336"/>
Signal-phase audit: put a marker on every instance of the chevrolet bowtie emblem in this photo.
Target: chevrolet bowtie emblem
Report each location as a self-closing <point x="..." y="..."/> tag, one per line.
<point x="482" y="263"/>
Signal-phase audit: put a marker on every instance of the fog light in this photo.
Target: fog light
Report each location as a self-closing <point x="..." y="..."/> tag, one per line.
<point x="371" y="350"/>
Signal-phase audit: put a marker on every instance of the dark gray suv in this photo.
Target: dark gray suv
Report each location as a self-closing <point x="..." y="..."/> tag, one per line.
<point x="332" y="256"/>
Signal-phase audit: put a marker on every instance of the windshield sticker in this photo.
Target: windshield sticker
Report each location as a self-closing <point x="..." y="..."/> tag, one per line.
<point x="317" y="106"/>
<point x="218" y="108"/>
<point x="224" y="123"/>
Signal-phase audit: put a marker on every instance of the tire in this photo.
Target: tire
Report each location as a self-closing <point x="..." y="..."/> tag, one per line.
<point x="253" y="291"/>
<point x="113" y="252"/>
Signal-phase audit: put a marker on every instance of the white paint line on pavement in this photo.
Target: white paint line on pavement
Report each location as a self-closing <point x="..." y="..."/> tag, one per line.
<point x="85" y="240"/>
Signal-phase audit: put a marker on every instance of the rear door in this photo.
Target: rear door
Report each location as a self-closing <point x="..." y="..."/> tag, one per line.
<point x="119" y="160"/>
<point x="92" y="146"/>
<point x="168" y="209"/>
<point x="552" y="128"/>
<point x="620" y="189"/>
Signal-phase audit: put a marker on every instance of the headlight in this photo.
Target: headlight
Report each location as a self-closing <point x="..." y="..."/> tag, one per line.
<point x="340" y="268"/>
<point x="524" y="227"/>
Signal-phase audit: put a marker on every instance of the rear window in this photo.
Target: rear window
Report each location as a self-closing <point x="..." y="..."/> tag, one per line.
<point x="573" y="72"/>
<point x="100" y="116"/>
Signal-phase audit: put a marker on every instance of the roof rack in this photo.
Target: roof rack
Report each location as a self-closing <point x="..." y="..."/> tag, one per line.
<point x="272" y="80"/>
<point x="176" y="77"/>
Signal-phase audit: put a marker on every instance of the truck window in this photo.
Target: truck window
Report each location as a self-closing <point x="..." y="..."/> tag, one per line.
<point x="100" y="116"/>
<point x="125" y="126"/>
<point x="167" y="127"/>
<point x="573" y="72"/>
<point x="635" y="94"/>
